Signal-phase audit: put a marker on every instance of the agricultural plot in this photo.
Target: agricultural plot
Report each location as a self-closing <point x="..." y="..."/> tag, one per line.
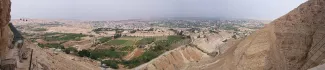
<point x="63" y="36"/>
<point x="145" y="41"/>
<point x="120" y="43"/>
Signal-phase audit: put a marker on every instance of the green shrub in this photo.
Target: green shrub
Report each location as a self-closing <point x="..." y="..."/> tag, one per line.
<point x="83" y="53"/>
<point x="111" y="63"/>
<point x="161" y="45"/>
<point x="70" y="49"/>
<point x="117" y="36"/>
<point x="41" y="45"/>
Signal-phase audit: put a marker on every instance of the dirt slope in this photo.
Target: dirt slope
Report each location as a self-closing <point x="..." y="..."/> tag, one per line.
<point x="175" y="59"/>
<point x="46" y="59"/>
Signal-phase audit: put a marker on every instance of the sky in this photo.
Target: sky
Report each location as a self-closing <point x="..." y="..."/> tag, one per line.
<point x="139" y="9"/>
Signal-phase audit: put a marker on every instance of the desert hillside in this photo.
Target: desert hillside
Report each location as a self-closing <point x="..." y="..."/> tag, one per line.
<point x="49" y="59"/>
<point x="294" y="41"/>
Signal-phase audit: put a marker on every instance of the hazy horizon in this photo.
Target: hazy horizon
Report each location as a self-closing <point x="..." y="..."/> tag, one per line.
<point x="140" y="9"/>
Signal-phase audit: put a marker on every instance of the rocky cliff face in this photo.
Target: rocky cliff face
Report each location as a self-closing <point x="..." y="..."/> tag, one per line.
<point x="5" y="32"/>
<point x="299" y="38"/>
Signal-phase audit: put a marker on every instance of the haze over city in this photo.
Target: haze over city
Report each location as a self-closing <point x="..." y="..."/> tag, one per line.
<point x="137" y="9"/>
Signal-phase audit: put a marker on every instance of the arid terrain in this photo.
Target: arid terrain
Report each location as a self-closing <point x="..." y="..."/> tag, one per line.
<point x="292" y="42"/>
<point x="128" y="44"/>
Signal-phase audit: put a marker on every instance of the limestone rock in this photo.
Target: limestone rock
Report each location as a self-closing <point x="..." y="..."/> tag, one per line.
<point x="4" y="29"/>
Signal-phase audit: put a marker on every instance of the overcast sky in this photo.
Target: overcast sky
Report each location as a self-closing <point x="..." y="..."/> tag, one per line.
<point x="134" y="9"/>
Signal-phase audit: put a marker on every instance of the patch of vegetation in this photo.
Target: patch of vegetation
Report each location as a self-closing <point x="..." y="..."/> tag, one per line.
<point x="52" y="45"/>
<point x="116" y="42"/>
<point x="165" y="44"/>
<point x="117" y="36"/>
<point x="63" y="37"/>
<point x="39" y="29"/>
<point x="120" y="43"/>
<point x="83" y="53"/>
<point x="127" y="48"/>
<point x="111" y="63"/>
<point x="70" y="49"/>
<point x="71" y="36"/>
<point x="102" y="29"/>
<point x="145" y="57"/>
<point x="116" y="55"/>
<point x="96" y="54"/>
<point x="162" y="45"/>
<point x="174" y="38"/>
<point x="50" y="34"/>
<point x="33" y="40"/>
<point x="128" y="43"/>
<point x="41" y="45"/>
<point x="104" y="39"/>
<point x="145" y="41"/>
<point x="153" y="52"/>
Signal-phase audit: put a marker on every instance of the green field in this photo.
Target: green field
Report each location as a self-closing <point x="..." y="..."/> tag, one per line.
<point x="39" y="29"/>
<point x="104" y="39"/>
<point x="95" y="54"/>
<point x="120" y="42"/>
<point x="116" y="49"/>
<point x="127" y="48"/>
<point x="130" y="38"/>
<point x="51" y="45"/>
<point x="145" y="41"/>
<point x="62" y="36"/>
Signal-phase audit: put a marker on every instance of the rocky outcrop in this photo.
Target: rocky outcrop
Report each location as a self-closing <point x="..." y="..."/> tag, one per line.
<point x="47" y="59"/>
<point x="211" y="42"/>
<point x="299" y="38"/>
<point x="5" y="33"/>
